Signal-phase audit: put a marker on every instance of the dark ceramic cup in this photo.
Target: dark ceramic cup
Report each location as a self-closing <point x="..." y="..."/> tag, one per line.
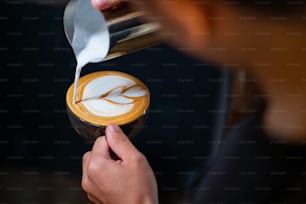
<point x="106" y="97"/>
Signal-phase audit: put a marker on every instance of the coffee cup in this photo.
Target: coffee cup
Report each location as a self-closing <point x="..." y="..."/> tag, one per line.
<point x="106" y="97"/>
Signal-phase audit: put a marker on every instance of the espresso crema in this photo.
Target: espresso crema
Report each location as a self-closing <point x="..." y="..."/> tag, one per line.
<point x="109" y="97"/>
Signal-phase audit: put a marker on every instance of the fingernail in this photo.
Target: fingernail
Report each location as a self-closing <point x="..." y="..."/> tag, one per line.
<point x="113" y="128"/>
<point x="100" y="3"/>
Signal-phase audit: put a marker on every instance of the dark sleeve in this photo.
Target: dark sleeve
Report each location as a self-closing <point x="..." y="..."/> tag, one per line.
<point x="252" y="168"/>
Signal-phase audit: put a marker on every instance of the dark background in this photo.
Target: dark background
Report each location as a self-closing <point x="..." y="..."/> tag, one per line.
<point x="40" y="153"/>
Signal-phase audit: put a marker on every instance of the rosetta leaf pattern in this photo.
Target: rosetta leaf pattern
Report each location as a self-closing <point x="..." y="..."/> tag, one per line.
<point x="123" y="95"/>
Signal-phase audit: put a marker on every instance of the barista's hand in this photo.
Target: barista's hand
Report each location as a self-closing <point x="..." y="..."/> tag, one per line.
<point x="129" y="180"/>
<point x="105" y="4"/>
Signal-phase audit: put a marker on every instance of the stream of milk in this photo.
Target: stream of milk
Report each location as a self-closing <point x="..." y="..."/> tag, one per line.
<point x="95" y="51"/>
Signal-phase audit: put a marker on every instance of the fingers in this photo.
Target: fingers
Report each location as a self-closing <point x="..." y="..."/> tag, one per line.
<point x="101" y="148"/>
<point x="105" y="4"/>
<point x="92" y="162"/>
<point x="85" y="163"/>
<point x="119" y="142"/>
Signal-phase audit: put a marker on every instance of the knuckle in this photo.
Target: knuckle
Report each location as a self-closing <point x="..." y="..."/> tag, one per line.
<point x="93" y="169"/>
<point x="86" y="156"/>
<point x="100" y="139"/>
<point x="139" y="158"/>
<point x="85" y="185"/>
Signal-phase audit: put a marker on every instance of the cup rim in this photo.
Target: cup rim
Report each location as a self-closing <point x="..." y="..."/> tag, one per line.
<point x="103" y="125"/>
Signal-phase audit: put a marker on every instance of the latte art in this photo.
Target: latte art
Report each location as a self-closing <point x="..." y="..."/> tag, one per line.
<point x="109" y="97"/>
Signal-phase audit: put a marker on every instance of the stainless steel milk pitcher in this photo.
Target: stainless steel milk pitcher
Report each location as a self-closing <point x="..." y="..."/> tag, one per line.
<point x="127" y="32"/>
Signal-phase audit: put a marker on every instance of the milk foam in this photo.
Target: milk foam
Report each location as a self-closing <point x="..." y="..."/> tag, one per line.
<point x="110" y="95"/>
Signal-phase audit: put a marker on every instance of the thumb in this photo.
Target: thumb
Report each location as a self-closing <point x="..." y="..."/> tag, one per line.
<point x="119" y="142"/>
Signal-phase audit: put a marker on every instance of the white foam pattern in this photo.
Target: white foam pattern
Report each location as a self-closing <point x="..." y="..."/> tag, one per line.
<point x="111" y="95"/>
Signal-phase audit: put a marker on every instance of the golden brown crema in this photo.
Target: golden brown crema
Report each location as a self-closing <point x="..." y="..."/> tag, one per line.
<point x="109" y="97"/>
